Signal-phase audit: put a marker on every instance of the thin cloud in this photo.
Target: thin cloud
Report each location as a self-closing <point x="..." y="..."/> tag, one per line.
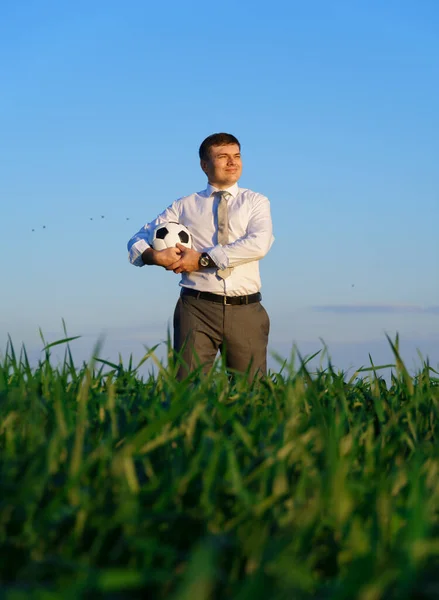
<point x="346" y="309"/>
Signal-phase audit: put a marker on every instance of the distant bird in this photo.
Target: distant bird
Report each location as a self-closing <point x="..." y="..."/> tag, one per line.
<point x="34" y="229"/>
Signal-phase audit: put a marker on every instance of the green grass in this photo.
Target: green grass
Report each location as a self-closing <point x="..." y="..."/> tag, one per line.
<point x="305" y="485"/>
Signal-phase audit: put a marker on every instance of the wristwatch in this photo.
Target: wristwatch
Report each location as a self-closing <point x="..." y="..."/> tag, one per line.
<point x="206" y="261"/>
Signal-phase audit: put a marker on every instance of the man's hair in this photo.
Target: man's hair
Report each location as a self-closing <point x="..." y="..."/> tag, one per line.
<point x="216" y="139"/>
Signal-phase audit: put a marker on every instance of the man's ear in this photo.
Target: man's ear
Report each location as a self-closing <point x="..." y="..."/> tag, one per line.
<point x="203" y="165"/>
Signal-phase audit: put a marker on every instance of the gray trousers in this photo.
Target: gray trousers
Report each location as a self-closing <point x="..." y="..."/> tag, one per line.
<point x="240" y="333"/>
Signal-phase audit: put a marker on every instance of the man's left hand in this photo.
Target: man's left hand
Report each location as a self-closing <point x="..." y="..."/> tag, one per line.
<point x="188" y="262"/>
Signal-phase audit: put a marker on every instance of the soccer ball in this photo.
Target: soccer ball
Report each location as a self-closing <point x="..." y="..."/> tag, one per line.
<point x="168" y="235"/>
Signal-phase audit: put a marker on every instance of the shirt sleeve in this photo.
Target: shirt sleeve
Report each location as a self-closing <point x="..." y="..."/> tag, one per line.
<point x="143" y="238"/>
<point x="254" y="245"/>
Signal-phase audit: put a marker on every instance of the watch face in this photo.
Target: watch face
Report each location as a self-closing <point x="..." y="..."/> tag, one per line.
<point x="204" y="261"/>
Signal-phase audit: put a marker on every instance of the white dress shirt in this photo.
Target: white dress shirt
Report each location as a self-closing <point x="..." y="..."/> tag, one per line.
<point x="250" y="238"/>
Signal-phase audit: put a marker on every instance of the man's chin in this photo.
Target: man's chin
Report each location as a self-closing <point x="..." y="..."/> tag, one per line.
<point x="229" y="182"/>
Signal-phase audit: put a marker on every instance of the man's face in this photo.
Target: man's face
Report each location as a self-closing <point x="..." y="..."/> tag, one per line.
<point x="224" y="166"/>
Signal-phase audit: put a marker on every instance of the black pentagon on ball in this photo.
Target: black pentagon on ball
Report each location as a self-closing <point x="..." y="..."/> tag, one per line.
<point x="184" y="238"/>
<point x="161" y="233"/>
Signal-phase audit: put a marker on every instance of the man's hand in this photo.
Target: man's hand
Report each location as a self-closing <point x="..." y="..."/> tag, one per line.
<point x="187" y="262"/>
<point x="165" y="258"/>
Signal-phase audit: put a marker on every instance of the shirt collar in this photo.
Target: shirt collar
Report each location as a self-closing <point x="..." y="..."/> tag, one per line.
<point x="233" y="190"/>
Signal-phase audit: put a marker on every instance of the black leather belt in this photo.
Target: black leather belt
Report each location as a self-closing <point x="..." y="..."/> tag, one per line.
<point x="222" y="299"/>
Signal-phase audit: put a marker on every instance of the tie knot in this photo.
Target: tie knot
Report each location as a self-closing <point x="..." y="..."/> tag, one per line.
<point x="222" y="194"/>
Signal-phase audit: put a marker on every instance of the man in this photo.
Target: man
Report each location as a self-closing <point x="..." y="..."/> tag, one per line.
<point x="220" y="304"/>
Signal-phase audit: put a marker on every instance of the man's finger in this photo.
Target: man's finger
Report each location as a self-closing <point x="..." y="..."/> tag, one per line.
<point x="174" y="265"/>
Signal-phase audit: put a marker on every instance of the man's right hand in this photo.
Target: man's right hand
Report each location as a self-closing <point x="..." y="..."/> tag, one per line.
<point x="161" y="258"/>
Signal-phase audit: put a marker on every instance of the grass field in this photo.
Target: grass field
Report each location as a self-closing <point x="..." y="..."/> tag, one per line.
<point x="306" y="485"/>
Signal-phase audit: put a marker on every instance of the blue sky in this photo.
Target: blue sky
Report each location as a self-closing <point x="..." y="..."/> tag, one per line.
<point x="102" y="110"/>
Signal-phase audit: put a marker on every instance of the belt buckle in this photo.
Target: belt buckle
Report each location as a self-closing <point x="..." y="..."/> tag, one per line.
<point x="225" y="300"/>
